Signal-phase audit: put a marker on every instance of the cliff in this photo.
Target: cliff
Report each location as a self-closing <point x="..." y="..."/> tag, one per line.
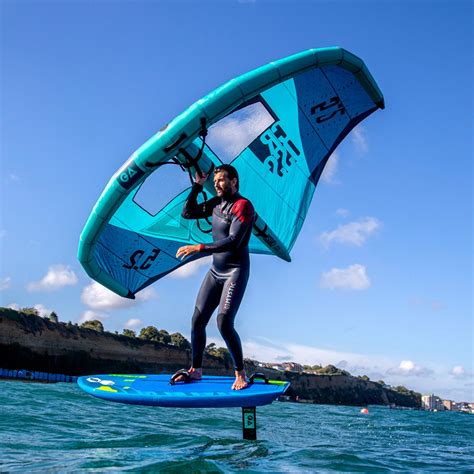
<point x="33" y="343"/>
<point x="346" y="390"/>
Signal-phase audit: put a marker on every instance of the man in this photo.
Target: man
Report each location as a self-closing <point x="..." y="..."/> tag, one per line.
<point x="224" y="285"/>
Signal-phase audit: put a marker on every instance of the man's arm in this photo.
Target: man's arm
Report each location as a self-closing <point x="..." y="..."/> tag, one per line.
<point x="194" y="210"/>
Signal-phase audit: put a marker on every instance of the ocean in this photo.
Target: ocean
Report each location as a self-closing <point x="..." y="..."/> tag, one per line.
<point x="58" y="428"/>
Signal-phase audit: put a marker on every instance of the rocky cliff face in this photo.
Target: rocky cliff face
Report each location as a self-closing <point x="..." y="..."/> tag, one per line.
<point x="33" y="343"/>
<point x="346" y="390"/>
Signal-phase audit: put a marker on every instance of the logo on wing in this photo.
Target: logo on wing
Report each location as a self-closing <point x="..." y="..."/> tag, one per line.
<point x="326" y="110"/>
<point x="129" y="175"/>
<point x="275" y="149"/>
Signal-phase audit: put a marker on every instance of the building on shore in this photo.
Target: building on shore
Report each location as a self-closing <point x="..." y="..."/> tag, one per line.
<point x="448" y="405"/>
<point x="283" y="367"/>
<point x="464" y="407"/>
<point x="432" y="403"/>
<point x="292" y="366"/>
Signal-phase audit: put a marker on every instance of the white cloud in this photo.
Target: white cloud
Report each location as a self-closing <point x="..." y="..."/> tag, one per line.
<point x="5" y="283"/>
<point x="459" y="372"/>
<point x="355" y="233"/>
<point x="191" y="268"/>
<point x="359" y="139"/>
<point x="264" y="350"/>
<point x="352" y="278"/>
<point x="342" y="212"/>
<point x="57" y="277"/>
<point x="91" y="316"/>
<point x="330" y="169"/>
<point x="229" y="136"/>
<point x="98" y="297"/>
<point x="408" y="367"/>
<point x="42" y="310"/>
<point x="133" y="323"/>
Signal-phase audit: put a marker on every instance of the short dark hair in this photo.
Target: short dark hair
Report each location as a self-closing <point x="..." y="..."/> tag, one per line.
<point x="230" y="170"/>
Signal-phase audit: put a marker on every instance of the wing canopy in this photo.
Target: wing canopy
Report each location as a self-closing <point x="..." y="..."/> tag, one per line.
<point x="278" y="125"/>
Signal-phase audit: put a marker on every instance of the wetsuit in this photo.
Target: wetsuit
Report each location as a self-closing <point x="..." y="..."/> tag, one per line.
<point x="225" y="283"/>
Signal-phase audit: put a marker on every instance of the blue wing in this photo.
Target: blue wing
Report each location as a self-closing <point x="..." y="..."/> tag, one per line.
<point x="278" y="125"/>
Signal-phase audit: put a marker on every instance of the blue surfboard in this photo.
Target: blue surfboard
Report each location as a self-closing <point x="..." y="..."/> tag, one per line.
<point x="155" y="390"/>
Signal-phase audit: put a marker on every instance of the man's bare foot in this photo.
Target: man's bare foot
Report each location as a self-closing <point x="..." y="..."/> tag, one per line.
<point x="195" y="374"/>
<point x="240" y="380"/>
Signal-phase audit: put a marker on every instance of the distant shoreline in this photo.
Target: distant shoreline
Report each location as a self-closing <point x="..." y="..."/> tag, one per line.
<point x="32" y="343"/>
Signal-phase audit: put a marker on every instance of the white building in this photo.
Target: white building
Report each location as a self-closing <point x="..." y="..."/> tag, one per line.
<point x="432" y="402"/>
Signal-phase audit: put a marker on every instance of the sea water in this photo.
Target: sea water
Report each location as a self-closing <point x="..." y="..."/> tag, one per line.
<point x="59" y="428"/>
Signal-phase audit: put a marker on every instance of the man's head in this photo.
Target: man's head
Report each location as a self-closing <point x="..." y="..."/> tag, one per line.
<point x="226" y="180"/>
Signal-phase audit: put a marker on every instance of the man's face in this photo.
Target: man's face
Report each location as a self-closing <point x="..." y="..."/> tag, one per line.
<point x="223" y="184"/>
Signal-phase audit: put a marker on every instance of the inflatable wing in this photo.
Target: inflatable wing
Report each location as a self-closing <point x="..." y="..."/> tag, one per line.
<point x="278" y="125"/>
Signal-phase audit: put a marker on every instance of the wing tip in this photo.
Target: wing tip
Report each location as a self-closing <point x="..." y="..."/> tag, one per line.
<point x="130" y="295"/>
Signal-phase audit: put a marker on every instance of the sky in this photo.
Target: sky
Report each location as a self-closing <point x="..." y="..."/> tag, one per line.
<point x="380" y="281"/>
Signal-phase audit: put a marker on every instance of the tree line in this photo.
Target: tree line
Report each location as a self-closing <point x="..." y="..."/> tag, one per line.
<point x="149" y="333"/>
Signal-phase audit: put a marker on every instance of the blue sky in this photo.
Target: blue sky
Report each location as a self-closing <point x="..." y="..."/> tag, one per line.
<point x="381" y="277"/>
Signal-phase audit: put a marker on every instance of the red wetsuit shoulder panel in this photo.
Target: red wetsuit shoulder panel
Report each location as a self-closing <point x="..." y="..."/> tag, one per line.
<point x="243" y="210"/>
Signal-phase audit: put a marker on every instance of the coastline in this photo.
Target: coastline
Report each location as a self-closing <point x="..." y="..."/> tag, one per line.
<point x="32" y="343"/>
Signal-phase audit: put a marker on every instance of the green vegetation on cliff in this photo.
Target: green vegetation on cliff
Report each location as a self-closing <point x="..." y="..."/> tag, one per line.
<point x="94" y="324"/>
<point x="180" y="341"/>
<point x="327" y="370"/>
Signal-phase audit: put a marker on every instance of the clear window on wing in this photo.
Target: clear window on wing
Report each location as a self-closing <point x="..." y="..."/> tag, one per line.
<point x="231" y="135"/>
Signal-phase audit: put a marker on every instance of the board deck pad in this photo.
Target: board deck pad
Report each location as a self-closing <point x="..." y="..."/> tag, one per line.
<point x="155" y="390"/>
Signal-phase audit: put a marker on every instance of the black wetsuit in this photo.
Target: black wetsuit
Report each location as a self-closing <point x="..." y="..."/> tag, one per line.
<point x="224" y="285"/>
